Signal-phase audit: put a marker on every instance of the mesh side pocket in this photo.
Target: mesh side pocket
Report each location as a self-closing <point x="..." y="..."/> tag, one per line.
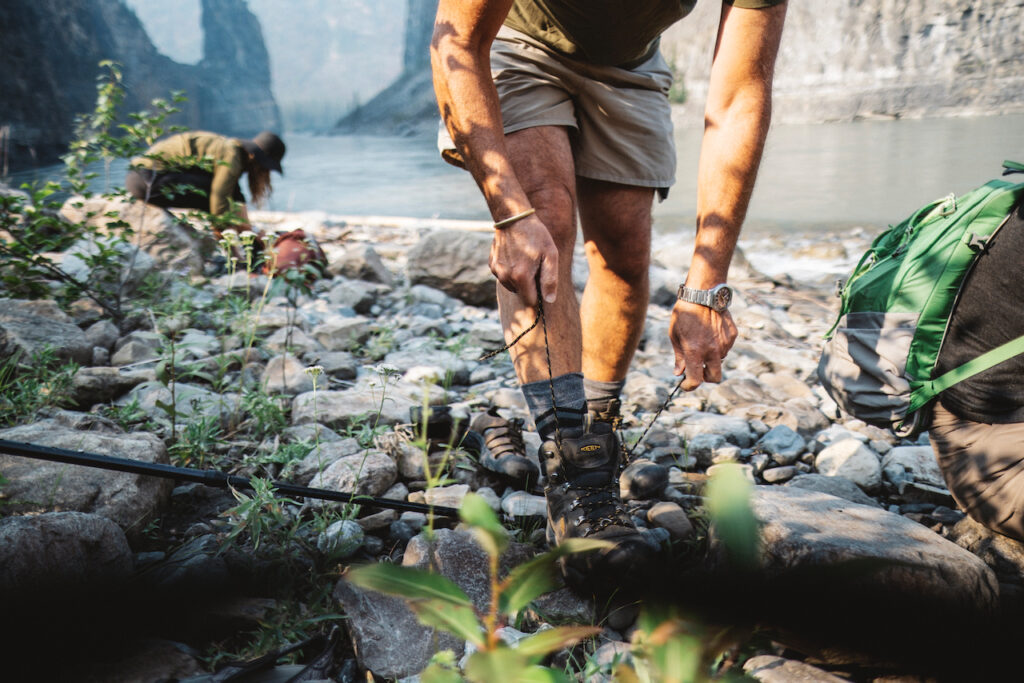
<point x="863" y="365"/>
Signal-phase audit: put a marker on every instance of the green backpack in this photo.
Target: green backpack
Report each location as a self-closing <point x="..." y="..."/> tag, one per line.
<point x="879" y="358"/>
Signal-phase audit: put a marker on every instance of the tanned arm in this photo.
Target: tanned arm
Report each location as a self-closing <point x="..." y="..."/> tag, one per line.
<point x="735" y="126"/>
<point x="460" y="58"/>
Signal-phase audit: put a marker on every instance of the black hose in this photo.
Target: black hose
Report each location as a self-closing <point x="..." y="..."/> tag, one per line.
<point x="209" y="477"/>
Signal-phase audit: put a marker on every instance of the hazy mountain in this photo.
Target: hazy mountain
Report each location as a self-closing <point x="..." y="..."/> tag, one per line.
<point x="326" y="56"/>
<point x="51" y="50"/>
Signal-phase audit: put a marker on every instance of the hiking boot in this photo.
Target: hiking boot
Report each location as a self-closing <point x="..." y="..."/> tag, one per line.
<point x="504" y="452"/>
<point x="442" y="429"/>
<point x="583" y="502"/>
<point x="607" y="410"/>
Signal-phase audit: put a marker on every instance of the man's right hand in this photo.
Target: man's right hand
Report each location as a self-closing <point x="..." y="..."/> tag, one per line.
<point x="518" y="252"/>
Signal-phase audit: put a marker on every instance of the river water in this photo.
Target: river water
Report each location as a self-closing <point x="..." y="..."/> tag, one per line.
<point x="813" y="177"/>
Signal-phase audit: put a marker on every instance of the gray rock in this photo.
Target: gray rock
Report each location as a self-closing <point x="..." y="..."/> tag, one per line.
<point x="132" y="264"/>
<point x="191" y="402"/>
<point x="523" y="504"/>
<point x="293" y="341"/>
<point x="103" y="334"/>
<point x="336" y="364"/>
<point x="810" y="419"/>
<point x="339" y="409"/>
<point x="643" y="392"/>
<point x="378" y="520"/>
<point x="286" y="375"/>
<point x="135" y="351"/>
<point x="27" y="327"/>
<point x="456" y="555"/>
<point x="101" y="385"/>
<point x="918" y="461"/>
<point x="1003" y="554"/>
<point x="728" y="453"/>
<point x="733" y="429"/>
<point x="765" y="415"/>
<point x="61" y="551"/>
<point x="100" y="356"/>
<point x="446" y="496"/>
<point x="310" y="432"/>
<point x="456" y="263"/>
<point x="361" y="262"/>
<point x="772" y="669"/>
<point x="387" y="637"/>
<point x="840" y="487"/>
<point x="803" y="529"/>
<point x="672" y="518"/>
<point x="355" y="294"/>
<point x="172" y="244"/>
<point x="129" y="500"/>
<point x="448" y="365"/>
<point x="783" y="444"/>
<point x="643" y="480"/>
<point x="778" y="475"/>
<point x="369" y="474"/>
<point x="341" y="539"/>
<point x="852" y="459"/>
<point x="319" y="459"/>
<point x="703" y="446"/>
<point x="734" y="392"/>
<point x="344" y="334"/>
<point x="785" y="386"/>
<point x="563" y="606"/>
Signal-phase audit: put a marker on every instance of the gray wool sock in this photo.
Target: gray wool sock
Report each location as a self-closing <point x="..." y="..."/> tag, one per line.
<point x="599" y="393"/>
<point x="569" y="397"/>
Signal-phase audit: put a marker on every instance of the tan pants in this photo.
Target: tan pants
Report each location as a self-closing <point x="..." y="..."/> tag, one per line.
<point x="983" y="466"/>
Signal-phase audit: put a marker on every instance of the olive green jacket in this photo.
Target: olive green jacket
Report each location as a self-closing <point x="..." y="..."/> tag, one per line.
<point x="200" y="151"/>
<point x="606" y="32"/>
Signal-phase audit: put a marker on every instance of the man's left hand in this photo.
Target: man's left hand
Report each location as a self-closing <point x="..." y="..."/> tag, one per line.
<point x="701" y="339"/>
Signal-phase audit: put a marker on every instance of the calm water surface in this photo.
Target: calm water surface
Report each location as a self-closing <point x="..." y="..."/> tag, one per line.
<point x="813" y="177"/>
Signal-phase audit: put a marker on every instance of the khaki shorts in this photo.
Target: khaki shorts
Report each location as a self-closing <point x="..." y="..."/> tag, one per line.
<point x="620" y="119"/>
<point x="983" y="466"/>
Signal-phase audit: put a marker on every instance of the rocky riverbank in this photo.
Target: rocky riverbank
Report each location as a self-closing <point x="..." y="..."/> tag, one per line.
<point x="136" y="574"/>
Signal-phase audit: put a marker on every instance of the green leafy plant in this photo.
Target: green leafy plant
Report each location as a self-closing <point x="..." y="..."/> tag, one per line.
<point x="260" y="514"/>
<point x="27" y="388"/>
<point x="32" y="226"/>
<point x="198" y="440"/>
<point x="439" y="602"/>
<point x="267" y="416"/>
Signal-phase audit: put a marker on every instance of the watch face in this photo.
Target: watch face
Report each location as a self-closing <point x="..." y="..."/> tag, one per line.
<point x="721" y="298"/>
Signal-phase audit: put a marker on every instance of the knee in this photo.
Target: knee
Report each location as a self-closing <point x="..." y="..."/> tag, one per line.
<point x="626" y="263"/>
<point x="556" y="206"/>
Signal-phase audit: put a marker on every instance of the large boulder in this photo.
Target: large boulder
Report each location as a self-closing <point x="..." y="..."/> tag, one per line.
<point x="872" y="552"/>
<point x="455" y="262"/>
<point x="171" y="243"/>
<point x="359" y="405"/>
<point x="130" y="500"/>
<point x="27" y="327"/>
<point x="61" y="551"/>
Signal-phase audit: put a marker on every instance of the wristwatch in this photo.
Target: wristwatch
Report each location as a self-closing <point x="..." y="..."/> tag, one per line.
<point x="717" y="298"/>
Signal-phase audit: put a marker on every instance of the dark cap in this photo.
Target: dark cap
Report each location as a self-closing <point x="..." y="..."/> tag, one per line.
<point x="267" y="149"/>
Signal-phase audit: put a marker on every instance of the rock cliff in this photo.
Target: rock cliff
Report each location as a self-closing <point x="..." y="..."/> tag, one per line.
<point x="51" y="50"/>
<point x="878" y="58"/>
<point x="407" y="105"/>
<point x="857" y="59"/>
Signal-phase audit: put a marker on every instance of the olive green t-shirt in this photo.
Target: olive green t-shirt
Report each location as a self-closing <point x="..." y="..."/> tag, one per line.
<point x="605" y="32"/>
<point x="181" y="152"/>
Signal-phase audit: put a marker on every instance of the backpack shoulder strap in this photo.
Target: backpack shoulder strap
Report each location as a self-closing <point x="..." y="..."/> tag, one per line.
<point x="926" y="391"/>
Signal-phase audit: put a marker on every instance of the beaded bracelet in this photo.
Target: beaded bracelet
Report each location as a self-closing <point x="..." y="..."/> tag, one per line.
<point x="512" y="219"/>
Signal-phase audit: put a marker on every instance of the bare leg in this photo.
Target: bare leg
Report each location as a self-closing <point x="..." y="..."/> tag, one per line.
<point x="543" y="163"/>
<point x="616" y="221"/>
